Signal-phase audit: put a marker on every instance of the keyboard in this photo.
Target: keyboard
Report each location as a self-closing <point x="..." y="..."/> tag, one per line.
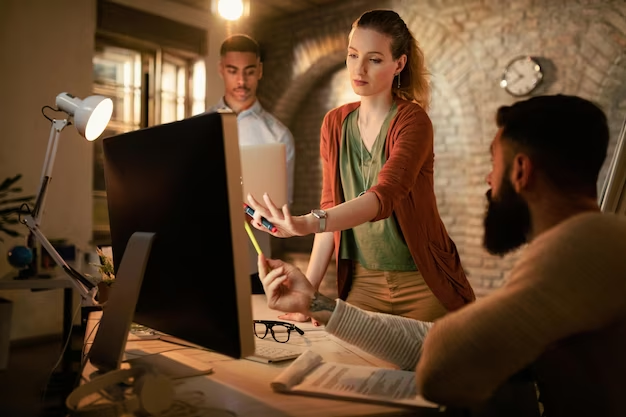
<point x="263" y="352"/>
<point x="269" y="353"/>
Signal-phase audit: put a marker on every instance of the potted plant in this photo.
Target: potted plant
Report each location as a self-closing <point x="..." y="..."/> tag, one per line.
<point x="106" y="277"/>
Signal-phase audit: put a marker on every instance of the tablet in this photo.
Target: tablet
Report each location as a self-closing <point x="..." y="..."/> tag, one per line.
<point x="264" y="170"/>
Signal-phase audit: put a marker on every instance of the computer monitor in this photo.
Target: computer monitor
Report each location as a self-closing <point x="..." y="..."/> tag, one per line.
<point x="181" y="182"/>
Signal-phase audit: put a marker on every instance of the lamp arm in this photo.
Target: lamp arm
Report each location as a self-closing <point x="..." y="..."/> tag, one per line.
<point x="32" y="220"/>
<point x="46" y="174"/>
<point x="86" y="288"/>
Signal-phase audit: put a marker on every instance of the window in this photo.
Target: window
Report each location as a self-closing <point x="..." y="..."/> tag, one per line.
<point x="148" y="86"/>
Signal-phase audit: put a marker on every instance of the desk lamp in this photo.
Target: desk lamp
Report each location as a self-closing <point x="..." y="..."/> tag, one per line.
<point x="90" y="116"/>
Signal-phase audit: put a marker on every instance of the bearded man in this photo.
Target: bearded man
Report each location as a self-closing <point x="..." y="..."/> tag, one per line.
<point x="561" y="315"/>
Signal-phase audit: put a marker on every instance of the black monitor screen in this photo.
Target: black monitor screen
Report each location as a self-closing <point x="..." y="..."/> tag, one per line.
<point x="182" y="181"/>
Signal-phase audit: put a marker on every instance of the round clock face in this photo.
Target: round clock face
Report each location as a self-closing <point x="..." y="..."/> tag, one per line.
<point x="521" y="76"/>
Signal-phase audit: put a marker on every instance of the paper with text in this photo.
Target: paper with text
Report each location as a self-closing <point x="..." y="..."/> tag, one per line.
<point x="310" y="375"/>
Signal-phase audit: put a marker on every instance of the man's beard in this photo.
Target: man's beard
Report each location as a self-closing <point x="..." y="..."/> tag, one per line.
<point x="507" y="221"/>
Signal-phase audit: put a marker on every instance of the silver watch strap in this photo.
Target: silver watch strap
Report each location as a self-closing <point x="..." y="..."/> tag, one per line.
<point x="322" y="225"/>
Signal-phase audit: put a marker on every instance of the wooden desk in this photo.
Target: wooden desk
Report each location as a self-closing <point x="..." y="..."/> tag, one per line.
<point x="243" y="386"/>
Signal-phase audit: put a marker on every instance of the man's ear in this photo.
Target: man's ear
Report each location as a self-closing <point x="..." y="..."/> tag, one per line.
<point x="521" y="171"/>
<point x="260" y="70"/>
<point x="220" y="69"/>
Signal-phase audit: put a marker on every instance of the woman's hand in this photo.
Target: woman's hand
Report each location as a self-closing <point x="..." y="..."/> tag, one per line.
<point x="286" y="224"/>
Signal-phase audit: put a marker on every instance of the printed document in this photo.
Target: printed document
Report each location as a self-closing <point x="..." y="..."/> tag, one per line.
<point x="310" y="375"/>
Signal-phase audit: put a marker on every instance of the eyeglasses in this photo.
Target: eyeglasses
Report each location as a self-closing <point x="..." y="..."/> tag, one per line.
<point x="280" y="330"/>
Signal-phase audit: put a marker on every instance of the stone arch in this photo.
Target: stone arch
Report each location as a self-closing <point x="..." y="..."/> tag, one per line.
<point x="609" y="74"/>
<point x="314" y="53"/>
<point x="300" y="87"/>
<point x="452" y="108"/>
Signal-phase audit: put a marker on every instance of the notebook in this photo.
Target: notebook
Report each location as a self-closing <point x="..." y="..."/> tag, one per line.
<point x="264" y="170"/>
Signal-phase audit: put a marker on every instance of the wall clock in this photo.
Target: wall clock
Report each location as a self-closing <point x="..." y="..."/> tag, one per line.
<point x="521" y="76"/>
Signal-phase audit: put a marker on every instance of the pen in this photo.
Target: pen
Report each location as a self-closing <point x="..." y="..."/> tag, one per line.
<point x="252" y="238"/>
<point x="255" y="243"/>
<point x="264" y="221"/>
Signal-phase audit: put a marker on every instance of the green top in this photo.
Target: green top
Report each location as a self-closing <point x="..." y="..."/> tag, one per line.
<point x="375" y="245"/>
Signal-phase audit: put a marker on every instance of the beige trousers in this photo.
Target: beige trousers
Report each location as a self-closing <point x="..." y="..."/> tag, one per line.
<point x="402" y="293"/>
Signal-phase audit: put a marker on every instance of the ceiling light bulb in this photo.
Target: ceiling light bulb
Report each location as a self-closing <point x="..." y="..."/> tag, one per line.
<point x="230" y="9"/>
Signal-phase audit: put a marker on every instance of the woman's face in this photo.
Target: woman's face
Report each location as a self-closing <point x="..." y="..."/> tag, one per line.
<point x="370" y="63"/>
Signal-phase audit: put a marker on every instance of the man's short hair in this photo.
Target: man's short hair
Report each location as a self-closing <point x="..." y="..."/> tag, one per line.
<point x="240" y="43"/>
<point x="566" y="137"/>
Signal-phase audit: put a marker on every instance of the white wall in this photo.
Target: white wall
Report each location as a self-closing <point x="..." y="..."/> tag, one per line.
<point x="46" y="47"/>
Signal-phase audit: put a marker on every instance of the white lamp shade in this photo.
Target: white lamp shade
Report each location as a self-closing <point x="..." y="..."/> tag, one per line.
<point x="91" y="115"/>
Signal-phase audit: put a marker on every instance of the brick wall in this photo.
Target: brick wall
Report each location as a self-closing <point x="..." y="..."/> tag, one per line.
<point x="580" y="43"/>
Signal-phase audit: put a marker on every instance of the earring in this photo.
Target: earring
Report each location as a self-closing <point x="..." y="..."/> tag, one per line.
<point x="398" y="80"/>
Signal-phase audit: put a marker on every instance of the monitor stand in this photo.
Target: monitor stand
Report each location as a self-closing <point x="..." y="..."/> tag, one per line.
<point x="107" y="351"/>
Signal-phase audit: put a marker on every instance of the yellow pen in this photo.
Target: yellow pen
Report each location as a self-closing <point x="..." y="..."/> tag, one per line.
<point x="255" y="243"/>
<point x="252" y="238"/>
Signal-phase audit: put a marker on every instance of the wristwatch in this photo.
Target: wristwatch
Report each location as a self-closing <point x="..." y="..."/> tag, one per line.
<point x="321" y="216"/>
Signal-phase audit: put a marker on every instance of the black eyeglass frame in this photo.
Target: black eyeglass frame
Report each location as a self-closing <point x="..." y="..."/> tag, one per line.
<point x="269" y="327"/>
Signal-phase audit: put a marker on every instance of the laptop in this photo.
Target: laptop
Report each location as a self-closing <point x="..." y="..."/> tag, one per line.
<point x="264" y="170"/>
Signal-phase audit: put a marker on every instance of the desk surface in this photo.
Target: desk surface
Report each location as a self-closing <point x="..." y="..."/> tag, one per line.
<point x="58" y="280"/>
<point x="243" y="386"/>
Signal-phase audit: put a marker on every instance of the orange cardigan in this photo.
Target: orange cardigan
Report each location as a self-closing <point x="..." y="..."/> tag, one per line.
<point x="404" y="189"/>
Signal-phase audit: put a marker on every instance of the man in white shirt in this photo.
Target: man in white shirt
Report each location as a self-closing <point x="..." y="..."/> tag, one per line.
<point x="241" y="69"/>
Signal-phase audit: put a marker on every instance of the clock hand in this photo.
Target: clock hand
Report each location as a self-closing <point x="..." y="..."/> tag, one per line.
<point x="514" y="80"/>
